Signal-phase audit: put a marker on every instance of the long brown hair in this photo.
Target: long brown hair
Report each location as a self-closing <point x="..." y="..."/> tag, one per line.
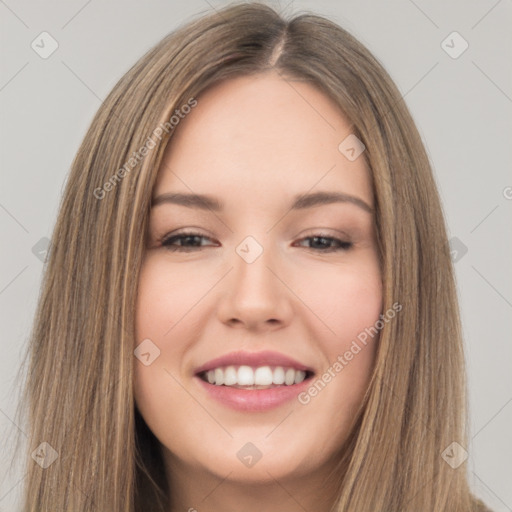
<point x="78" y="395"/>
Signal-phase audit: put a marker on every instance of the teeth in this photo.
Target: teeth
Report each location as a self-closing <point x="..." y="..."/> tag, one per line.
<point x="278" y="376"/>
<point x="230" y="376"/>
<point x="299" y="376"/>
<point x="263" y="376"/>
<point x="219" y="376"/>
<point x="289" y="377"/>
<point x="245" y="376"/>
<point x="260" y="376"/>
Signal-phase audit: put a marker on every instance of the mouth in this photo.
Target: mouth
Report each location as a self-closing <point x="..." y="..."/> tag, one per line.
<point x="248" y="377"/>
<point x="253" y="382"/>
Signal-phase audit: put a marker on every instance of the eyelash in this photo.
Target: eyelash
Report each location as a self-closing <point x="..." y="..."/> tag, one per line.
<point x="166" y="242"/>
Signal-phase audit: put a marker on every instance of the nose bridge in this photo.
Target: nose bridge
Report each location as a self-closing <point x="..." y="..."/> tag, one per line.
<point x="254" y="295"/>
<point x="252" y="262"/>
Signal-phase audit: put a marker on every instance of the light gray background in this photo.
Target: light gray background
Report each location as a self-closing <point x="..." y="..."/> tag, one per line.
<point x="462" y="107"/>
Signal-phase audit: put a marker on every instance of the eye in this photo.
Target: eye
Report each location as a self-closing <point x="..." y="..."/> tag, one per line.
<point x="324" y="243"/>
<point x="185" y="238"/>
<point x="191" y="241"/>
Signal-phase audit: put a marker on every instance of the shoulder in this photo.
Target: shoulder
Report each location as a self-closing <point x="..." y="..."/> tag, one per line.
<point x="480" y="506"/>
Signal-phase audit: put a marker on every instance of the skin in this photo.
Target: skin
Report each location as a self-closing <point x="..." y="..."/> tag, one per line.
<point x="255" y="142"/>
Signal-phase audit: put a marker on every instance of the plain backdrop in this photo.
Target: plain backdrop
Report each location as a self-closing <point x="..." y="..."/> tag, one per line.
<point x="460" y="98"/>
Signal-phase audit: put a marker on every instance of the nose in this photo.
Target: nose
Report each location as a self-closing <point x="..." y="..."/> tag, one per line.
<point x="255" y="295"/>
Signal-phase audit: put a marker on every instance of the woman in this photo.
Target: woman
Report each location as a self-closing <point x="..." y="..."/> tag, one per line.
<point x="308" y="356"/>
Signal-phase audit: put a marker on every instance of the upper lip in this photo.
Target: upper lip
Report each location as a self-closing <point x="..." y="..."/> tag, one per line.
<point x="254" y="359"/>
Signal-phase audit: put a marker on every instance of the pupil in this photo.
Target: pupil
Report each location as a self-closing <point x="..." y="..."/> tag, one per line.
<point x="189" y="239"/>
<point x="316" y="238"/>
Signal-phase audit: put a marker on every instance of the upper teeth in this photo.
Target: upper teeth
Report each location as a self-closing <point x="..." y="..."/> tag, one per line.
<point x="260" y="376"/>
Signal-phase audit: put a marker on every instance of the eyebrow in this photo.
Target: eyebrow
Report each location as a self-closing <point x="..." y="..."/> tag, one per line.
<point x="300" y="202"/>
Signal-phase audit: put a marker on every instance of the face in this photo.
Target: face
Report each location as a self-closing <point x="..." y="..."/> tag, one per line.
<point x="254" y="288"/>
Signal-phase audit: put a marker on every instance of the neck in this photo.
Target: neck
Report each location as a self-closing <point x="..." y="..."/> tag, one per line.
<point x="199" y="490"/>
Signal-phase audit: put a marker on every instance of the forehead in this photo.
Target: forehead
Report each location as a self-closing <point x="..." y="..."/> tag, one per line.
<point x="262" y="136"/>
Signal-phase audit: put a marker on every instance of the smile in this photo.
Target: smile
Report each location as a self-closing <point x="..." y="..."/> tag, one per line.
<point x="247" y="377"/>
<point x="253" y="381"/>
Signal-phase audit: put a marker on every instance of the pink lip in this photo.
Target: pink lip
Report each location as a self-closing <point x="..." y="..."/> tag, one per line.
<point x="254" y="359"/>
<point x="255" y="400"/>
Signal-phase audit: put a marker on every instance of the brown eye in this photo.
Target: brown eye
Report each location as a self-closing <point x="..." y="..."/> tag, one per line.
<point x="323" y="243"/>
<point x="188" y="242"/>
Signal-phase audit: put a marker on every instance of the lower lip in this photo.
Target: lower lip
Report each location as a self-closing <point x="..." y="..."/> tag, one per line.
<point x="253" y="399"/>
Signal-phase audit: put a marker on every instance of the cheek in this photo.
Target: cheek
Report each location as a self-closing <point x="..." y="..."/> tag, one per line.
<point x="358" y="306"/>
<point x="345" y="300"/>
<point x="163" y="299"/>
<point x="168" y="308"/>
<point x="349" y="304"/>
<point x="159" y="308"/>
